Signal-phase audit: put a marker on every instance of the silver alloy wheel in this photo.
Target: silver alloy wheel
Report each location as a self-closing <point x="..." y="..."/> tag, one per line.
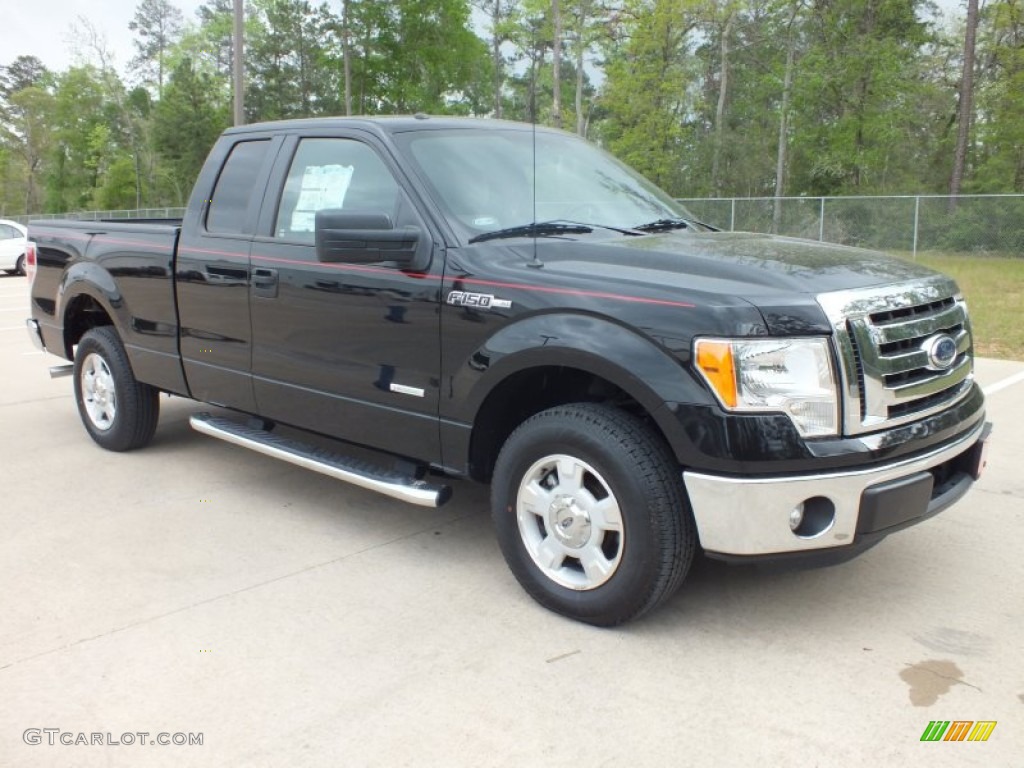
<point x="98" y="392"/>
<point x="570" y="522"/>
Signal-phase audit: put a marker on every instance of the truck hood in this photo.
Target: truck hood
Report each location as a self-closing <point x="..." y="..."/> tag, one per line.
<point x="751" y="266"/>
<point x="779" y="276"/>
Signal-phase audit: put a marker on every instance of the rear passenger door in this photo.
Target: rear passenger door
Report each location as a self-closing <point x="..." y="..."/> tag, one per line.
<point x="346" y="349"/>
<point x="213" y="274"/>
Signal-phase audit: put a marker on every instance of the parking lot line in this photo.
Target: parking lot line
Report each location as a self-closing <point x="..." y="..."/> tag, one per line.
<point x="1009" y="381"/>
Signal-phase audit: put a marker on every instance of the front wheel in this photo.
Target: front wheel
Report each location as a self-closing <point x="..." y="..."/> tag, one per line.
<point x="118" y="412"/>
<point x="590" y="513"/>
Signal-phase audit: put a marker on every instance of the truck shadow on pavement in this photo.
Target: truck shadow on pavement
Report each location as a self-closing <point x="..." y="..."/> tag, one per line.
<point x="461" y="536"/>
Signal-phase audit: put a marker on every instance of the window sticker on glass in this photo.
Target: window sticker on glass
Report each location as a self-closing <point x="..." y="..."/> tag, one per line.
<point x="323" y="186"/>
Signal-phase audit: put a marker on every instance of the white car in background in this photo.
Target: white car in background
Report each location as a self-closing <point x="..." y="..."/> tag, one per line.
<point x="13" y="237"/>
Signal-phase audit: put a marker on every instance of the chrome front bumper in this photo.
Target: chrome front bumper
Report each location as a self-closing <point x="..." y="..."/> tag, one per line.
<point x="751" y="516"/>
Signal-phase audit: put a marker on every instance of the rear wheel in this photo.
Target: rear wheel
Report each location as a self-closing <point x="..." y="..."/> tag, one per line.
<point x="19" y="267"/>
<point x="118" y="412"/>
<point x="590" y="513"/>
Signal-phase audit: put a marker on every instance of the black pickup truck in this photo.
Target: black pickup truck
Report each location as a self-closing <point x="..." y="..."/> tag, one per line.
<point x="509" y="304"/>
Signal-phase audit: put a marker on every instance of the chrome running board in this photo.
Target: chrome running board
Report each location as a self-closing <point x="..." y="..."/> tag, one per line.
<point x="363" y="474"/>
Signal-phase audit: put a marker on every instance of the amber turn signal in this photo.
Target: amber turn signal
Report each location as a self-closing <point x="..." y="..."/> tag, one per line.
<point x="714" y="358"/>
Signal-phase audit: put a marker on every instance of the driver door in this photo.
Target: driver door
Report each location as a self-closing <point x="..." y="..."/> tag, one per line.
<point x="351" y="350"/>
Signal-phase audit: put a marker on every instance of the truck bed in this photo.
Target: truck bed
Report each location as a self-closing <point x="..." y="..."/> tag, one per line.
<point x="134" y="261"/>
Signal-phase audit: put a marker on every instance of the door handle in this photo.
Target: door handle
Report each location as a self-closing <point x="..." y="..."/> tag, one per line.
<point x="264" y="282"/>
<point x="225" y="275"/>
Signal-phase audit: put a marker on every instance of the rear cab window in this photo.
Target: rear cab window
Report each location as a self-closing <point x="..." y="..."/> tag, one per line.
<point x="236" y="190"/>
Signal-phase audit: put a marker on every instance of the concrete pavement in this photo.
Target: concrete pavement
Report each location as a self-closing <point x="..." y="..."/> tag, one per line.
<point x="195" y="587"/>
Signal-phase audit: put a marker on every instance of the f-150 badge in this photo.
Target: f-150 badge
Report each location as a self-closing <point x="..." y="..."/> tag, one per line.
<point x="478" y="300"/>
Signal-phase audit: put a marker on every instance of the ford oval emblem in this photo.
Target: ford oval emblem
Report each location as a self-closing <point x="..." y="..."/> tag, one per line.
<point x="941" y="350"/>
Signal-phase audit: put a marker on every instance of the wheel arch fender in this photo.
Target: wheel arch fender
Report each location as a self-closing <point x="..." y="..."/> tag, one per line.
<point x="645" y="371"/>
<point x="84" y="283"/>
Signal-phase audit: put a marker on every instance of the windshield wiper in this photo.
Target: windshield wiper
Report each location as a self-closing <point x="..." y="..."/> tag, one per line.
<point x="621" y="230"/>
<point x="664" y="225"/>
<point x="537" y="229"/>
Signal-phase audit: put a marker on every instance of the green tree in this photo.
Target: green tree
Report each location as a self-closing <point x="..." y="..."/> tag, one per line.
<point x="500" y="15"/>
<point x="646" y="93"/>
<point x="742" y="113"/>
<point x="23" y="72"/>
<point x="584" y="27"/>
<point x="562" y="32"/>
<point x="28" y="134"/>
<point x="117" y="190"/>
<point x="286" y="62"/>
<point x="965" y="103"/>
<point x="25" y="103"/>
<point x="1000" y="167"/>
<point x="435" y="62"/>
<point x="531" y="37"/>
<point x="212" y="43"/>
<point x="855" y="94"/>
<point x="11" y="179"/>
<point x="728" y="97"/>
<point x="84" y="141"/>
<point x="158" y="25"/>
<point x="189" y="119"/>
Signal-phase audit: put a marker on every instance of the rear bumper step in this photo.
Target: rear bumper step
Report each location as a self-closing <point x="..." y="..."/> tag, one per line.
<point x="354" y="471"/>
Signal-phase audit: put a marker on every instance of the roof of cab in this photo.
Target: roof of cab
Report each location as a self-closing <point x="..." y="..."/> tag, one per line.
<point x="389" y="124"/>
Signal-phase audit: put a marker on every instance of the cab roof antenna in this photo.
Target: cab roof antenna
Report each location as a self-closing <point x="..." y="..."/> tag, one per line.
<point x="535" y="262"/>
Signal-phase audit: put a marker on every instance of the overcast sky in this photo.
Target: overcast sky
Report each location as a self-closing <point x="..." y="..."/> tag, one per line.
<point x="43" y="28"/>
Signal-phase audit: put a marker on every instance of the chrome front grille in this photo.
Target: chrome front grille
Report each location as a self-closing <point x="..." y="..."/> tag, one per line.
<point x="885" y="340"/>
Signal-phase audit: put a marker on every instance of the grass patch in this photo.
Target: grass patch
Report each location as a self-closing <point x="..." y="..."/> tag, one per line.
<point x="994" y="289"/>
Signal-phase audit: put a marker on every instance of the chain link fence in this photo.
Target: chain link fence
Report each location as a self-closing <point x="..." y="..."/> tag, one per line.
<point x="140" y="213"/>
<point x="989" y="224"/>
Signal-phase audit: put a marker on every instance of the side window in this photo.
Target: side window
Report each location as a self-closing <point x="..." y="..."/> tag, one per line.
<point x="8" y="233"/>
<point x="341" y="174"/>
<point x="236" y="187"/>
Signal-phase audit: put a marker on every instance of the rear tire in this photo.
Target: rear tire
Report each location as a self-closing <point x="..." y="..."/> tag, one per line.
<point x="19" y="267"/>
<point x="118" y="412"/>
<point x="590" y="513"/>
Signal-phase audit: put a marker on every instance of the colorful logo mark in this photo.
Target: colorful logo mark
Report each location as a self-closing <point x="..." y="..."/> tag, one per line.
<point x="958" y="730"/>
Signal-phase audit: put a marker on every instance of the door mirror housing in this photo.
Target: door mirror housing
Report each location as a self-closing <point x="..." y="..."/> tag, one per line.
<point x="364" y="237"/>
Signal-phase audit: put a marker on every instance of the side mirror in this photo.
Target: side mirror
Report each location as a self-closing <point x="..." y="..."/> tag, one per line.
<point x="363" y="238"/>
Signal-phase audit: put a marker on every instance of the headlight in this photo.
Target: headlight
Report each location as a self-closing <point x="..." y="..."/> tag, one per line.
<point x="794" y="376"/>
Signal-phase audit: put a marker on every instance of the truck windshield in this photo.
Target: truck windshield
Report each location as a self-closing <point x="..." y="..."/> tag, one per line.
<point x="484" y="181"/>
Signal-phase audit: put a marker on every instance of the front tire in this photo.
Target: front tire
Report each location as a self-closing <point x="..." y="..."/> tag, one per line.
<point x="590" y="513"/>
<point x="118" y="412"/>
